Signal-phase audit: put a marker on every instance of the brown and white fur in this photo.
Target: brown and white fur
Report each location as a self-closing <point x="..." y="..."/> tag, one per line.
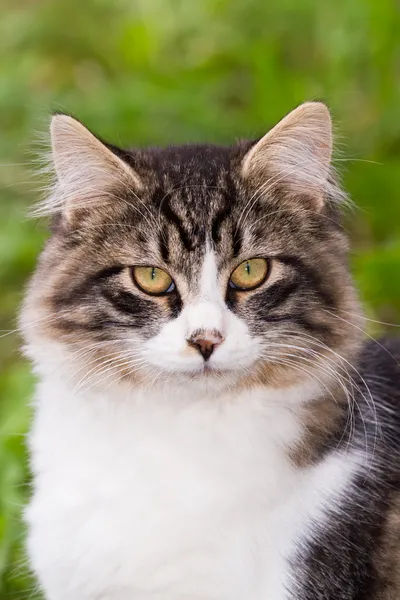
<point x="269" y="471"/>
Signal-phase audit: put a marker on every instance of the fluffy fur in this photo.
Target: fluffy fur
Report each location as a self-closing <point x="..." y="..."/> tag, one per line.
<point x="269" y="470"/>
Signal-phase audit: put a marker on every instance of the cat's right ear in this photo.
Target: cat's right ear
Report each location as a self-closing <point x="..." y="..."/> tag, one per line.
<point x="88" y="173"/>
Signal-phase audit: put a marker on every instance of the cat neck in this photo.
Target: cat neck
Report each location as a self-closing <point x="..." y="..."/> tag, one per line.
<point x="260" y="419"/>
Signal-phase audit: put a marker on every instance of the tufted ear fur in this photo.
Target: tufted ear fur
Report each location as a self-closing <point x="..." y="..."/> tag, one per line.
<point x="295" y="156"/>
<point x="88" y="173"/>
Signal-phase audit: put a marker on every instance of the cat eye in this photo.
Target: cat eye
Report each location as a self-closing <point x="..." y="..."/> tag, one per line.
<point x="153" y="280"/>
<point x="250" y="274"/>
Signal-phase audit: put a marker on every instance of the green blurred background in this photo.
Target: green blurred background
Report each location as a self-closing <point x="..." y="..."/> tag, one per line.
<point x="161" y="71"/>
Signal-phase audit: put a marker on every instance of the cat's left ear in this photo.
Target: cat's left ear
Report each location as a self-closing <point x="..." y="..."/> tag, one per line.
<point x="294" y="156"/>
<point x="88" y="173"/>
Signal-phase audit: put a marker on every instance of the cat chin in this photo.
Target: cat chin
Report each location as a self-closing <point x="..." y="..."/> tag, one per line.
<point x="205" y="381"/>
<point x="207" y="374"/>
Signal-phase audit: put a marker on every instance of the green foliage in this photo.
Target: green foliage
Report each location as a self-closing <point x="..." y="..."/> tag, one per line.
<point x="160" y="71"/>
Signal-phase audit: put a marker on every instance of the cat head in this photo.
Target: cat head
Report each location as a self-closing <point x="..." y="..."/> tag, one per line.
<point x="220" y="265"/>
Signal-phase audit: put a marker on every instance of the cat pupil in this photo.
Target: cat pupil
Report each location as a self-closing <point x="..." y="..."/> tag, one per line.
<point x="153" y="273"/>
<point x="248" y="268"/>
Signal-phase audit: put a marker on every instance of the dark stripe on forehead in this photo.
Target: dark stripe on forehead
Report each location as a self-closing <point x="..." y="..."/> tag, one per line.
<point x="223" y="214"/>
<point x="171" y="216"/>
<point x="219" y="219"/>
<point x="163" y="245"/>
<point x="236" y="241"/>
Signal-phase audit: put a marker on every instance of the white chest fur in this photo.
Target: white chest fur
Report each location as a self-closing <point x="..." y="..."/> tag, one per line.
<point x="157" y="497"/>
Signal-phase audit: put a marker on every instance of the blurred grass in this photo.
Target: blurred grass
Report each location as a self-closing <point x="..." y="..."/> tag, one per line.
<point x="161" y="71"/>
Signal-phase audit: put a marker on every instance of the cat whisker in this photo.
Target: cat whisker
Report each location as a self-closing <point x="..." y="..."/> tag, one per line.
<point x="385" y="323"/>
<point x="368" y="399"/>
<point x="105" y="373"/>
<point x="112" y="362"/>
<point x="350" y="398"/>
<point x="46" y="319"/>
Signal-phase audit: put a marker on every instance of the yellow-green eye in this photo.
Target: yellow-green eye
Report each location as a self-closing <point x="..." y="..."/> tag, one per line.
<point x="249" y="274"/>
<point x="153" y="280"/>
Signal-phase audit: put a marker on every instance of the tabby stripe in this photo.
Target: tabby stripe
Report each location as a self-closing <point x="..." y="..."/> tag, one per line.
<point x="65" y="297"/>
<point x="299" y="319"/>
<point x="311" y="276"/>
<point x="173" y="218"/>
<point x="131" y="305"/>
<point x="220" y="217"/>
<point x="174" y="303"/>
<point x="99" y="323"/>
<point x="237" y="242"/>
<point x="163" y="245"/>
<point x="106" y="273"/>
<point x="278" y="293"/>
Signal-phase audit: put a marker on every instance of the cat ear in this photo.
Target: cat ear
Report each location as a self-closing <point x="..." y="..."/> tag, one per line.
<point x="295" y="155"/>
<point x="87" y="172"/>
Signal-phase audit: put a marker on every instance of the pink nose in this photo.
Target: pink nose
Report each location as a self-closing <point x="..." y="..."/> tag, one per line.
<point x="206" y="342"/>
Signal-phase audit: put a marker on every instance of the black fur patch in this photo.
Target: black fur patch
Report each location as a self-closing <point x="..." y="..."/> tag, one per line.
<point x="343" y="561"/>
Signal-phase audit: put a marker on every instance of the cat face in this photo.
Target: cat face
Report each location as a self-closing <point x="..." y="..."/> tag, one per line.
<point x="225" y="266"/>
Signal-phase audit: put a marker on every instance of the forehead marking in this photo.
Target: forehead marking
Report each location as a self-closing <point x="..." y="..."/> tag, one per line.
<point x="209" y="289"/>
<point x="219" y="219"/>
<point x="173" y="218"/>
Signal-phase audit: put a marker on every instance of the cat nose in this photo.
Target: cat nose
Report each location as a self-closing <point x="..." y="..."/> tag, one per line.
<point x="206" y="342"/>
<point x="205" y="347"/>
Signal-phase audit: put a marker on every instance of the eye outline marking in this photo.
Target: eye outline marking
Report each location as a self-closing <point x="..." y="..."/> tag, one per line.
<point x="237" y="288"/>
<point x="170" y="290"/>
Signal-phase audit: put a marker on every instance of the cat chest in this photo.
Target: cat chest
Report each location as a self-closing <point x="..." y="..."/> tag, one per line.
<point x="201" y="513"/>
<point x="173" y="506"/>
<point x="189" y="534"/>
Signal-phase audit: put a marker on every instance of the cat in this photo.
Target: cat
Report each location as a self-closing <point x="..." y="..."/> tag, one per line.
<point x="210" y="421"/>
